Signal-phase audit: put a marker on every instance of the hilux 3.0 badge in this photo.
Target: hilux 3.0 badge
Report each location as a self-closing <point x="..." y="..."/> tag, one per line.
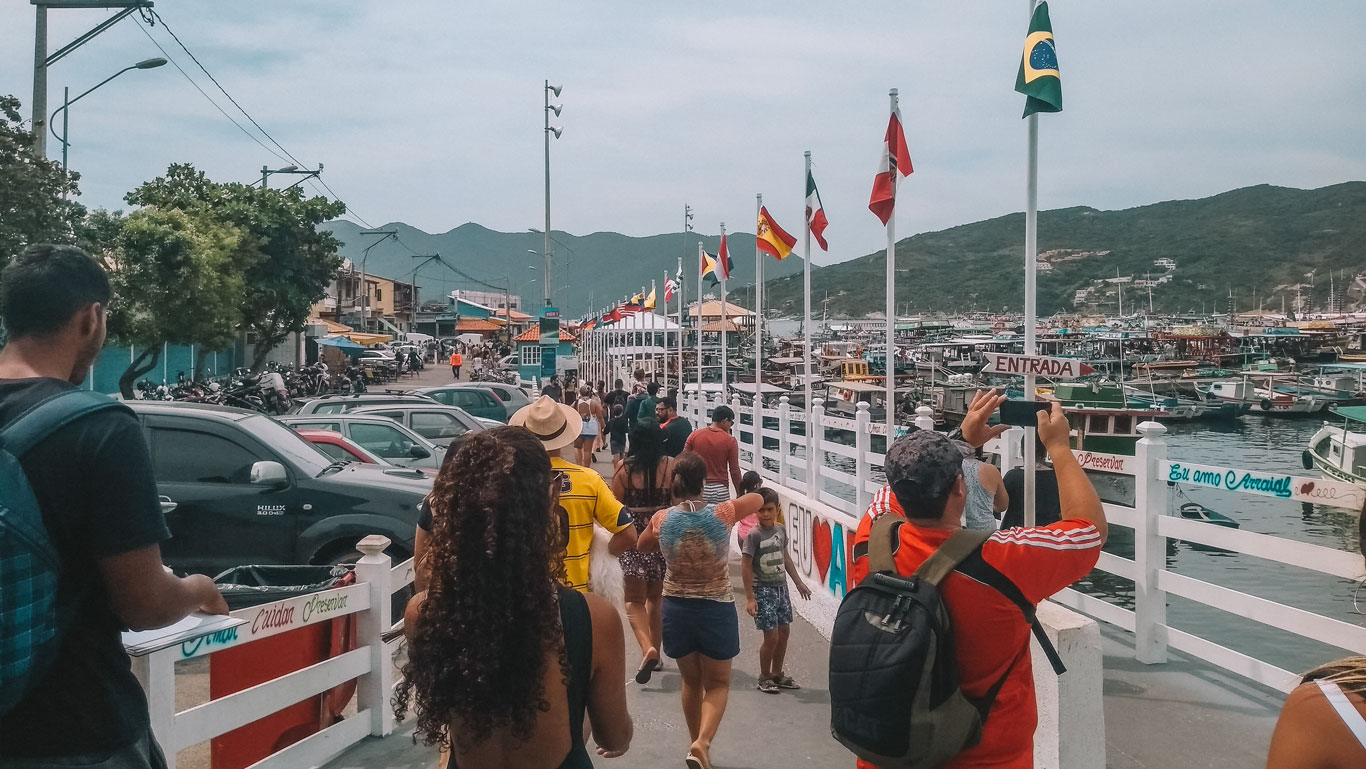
<point x="270" y="509"/>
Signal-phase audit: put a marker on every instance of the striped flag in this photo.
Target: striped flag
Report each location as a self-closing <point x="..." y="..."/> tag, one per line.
<point x="669" y="287"/>
<point x="815" y="212"/>
<point x="723" y="259"/>
<point x="772" y="239"/>
<point x="896" y="161"/>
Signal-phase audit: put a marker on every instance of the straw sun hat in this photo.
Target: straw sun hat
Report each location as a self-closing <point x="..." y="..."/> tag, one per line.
<point x="553" y="423"/>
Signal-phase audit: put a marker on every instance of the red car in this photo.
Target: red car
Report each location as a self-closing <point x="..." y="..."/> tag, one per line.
<point x="338" y="446"/>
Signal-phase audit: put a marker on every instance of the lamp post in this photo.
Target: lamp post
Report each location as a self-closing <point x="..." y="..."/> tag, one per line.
<point x="549" y="129"/>
<point x="67" y="101"/>
<point x="302" y="173"/>
<point x="365" y="302"/>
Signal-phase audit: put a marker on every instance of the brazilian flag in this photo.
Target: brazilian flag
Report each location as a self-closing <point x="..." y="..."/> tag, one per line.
<point x="1038" y="79"/>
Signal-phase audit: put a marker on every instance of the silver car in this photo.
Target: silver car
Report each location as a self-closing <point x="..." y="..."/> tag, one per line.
<point x="379" y="435"/>
<point x="441" y="425"/>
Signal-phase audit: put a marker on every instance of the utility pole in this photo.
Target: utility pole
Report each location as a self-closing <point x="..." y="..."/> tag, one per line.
<point x="365" y="294"/>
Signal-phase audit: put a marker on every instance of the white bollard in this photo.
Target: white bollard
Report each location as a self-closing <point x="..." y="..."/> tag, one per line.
<point x="863" y="443"/>
<point x="815" y="455"/>
<point x="1150" y="548"/>
<point x="924" y="420"/>
<point x="373" y="689"/>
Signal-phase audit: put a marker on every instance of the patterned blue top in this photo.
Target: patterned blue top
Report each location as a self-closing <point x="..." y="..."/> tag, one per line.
<point x="696" y="548"/>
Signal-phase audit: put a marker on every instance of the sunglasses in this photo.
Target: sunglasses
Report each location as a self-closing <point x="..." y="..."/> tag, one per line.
<point x="561" y="478"/>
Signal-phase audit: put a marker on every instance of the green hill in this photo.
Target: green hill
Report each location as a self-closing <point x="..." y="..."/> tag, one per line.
<point x="601" y="268"/>
<point x="1263" y="239"/>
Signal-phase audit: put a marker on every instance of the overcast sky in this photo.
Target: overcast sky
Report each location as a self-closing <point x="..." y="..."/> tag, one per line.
<point x="429" y="111"/>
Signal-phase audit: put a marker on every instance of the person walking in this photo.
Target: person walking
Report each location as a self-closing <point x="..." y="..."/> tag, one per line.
<point x="91" y="480"/>
<point x="721" y="453"/>
<point x="589" y="409"/>
<point x="700" y="629"/>
<point x="986" y="492"/>
<point x="646" y="413"/>
<point x="765" y="568"/>
<point x="457" y="360"/>
<point x="554" y="389"/>
<point x="676" y="428"/>
<point x="643" y="482"/>
<point x="616" y="431"/>
<point x="586" y="501"/>
<point x="618" y="396"/>
<point x="1323" y="722"/>
<point x="990" y="633"/>
<point x="638" y="385"/>
<point x="535" y="657"/>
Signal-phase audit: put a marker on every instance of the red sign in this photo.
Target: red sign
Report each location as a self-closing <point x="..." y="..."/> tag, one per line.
<point x="1038" y="365"/>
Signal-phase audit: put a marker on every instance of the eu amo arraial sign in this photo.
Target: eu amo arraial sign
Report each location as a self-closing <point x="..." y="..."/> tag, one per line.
<point x="1037" y="365"/>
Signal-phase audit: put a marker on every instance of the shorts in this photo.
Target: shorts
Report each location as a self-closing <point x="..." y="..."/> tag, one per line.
<point x="775" y="606"/>
<point x="702" y="626"/>
<point x="618" y="446"/>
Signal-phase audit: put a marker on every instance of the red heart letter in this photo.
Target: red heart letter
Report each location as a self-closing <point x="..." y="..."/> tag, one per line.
<point x="1307" y="487"/>
<point x="820" y="546"/>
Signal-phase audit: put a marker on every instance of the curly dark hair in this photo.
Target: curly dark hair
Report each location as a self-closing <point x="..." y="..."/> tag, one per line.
<point x="478" y="654"/>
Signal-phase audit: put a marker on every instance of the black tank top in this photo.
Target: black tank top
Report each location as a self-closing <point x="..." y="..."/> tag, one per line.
<point x="578" y="646"/>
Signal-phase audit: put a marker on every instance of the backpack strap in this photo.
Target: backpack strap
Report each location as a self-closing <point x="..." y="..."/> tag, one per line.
<point x="959" y="546"/>
<point x="976" y="566"/>
<point x="882" y="539"/>
<point x="50" y="415"/>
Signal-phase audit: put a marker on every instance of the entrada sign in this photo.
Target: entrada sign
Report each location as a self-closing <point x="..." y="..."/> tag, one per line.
<point x="1037" y="365"/>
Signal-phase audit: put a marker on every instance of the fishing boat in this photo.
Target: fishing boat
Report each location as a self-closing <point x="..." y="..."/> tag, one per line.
<point x="1100" y="417"/>
<point x="1263" y="400"/>
<point x="1338" y="449"/>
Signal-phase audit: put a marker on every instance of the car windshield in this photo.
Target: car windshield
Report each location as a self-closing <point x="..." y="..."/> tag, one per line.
<point x="294" y="447"/>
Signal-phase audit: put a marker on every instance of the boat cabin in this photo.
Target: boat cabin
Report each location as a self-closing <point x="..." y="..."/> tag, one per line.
<point x="1338" y="449"/>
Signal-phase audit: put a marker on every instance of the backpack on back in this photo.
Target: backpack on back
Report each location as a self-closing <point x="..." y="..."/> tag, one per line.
<point x="31" y="622"/>
<point x="895" y="696"/>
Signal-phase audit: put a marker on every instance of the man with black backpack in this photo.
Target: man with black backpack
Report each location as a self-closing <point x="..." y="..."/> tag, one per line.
<point x="80" y="524"/>
<point x="925" y="584"/>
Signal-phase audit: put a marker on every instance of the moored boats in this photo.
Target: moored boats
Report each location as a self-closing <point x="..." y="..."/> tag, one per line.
<point x="1338" y="449"/>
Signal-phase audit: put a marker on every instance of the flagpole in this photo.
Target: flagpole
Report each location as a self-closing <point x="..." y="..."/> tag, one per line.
<point x="1031" y="313"/>
<point x="725" y="311"/>
<point x="889" y="354"/>
<point x="700" y="397"/>
<point x="664" y="358"/>
<point x="806" y="319"/>
<point x="682" y="295"/>
<point x="758" y="319"/>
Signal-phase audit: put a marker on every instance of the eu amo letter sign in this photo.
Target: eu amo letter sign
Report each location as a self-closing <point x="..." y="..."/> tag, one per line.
<point x="1038" y="365"/>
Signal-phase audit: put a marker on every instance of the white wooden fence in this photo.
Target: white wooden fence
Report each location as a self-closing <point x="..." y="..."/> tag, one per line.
<point x="847" y="474"/>
<point x="370" y="664"/>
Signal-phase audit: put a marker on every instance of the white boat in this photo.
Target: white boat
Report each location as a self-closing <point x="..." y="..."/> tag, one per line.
<point x="1338" y="449"/>
<point x="1262" y="399"/>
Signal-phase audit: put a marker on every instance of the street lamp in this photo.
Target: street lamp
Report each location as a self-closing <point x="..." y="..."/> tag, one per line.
<point x="545" y="251"/>
<point x="67" y="101"/>
<point x="303" y="174"/>
<point x="365" y="302"/>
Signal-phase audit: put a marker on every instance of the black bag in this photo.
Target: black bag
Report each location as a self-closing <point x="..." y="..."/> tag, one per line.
<point x="895" y="696"/>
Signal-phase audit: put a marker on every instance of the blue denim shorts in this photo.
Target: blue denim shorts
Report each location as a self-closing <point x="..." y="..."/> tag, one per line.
<point x="702" y="626"/>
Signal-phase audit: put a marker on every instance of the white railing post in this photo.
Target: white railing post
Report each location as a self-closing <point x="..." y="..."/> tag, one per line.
<point x="784" y="424"/>
<point x="863" y="443"/>
<point x="924" y="420"/>
<point x="1010" y="449"/>
<point x="739" y="423"/>
<point x="815" y="435"/>
<point x="374" y="689"/>
<point x="1150" y="548"/>
<point x="758" y="422"/>
<point x="156" y="673"/>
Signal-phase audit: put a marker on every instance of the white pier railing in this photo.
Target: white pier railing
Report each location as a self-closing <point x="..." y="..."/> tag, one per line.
<point x="369" y="663"/>
<point x="829" y="495"/>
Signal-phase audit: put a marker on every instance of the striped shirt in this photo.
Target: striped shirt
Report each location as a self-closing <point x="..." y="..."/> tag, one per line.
<point x="588" y="500"/>
<point x="989" y="631"/>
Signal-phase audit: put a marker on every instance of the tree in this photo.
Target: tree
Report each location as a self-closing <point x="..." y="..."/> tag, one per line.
<point x="177" y="279"/>
<point x="290" y="261"/>
<point x="32" y="209"/>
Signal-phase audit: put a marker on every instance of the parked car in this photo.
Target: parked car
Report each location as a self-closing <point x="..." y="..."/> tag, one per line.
<point x="512" y="396"/>
<point x="511" y="362"/>
<point x="339" y="447"/>
<point x="345" y="403"/>
<point x="238" y="487"/>
<point x="381" y="436"/>
<point x="477" y="399"/>
<point x="442" y="425"/>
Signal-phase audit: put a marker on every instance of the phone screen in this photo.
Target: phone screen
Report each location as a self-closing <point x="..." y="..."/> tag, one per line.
<point x="1022" y="413"/>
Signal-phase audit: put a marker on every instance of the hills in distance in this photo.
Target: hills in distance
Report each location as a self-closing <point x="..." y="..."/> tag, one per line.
<point x="1263" y="239"/>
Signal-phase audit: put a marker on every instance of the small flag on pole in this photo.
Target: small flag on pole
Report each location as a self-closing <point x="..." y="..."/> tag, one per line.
<point x="723" y="260"/>
<point x="650" y="300"/>
<point x="1038" y="78"/>
<point x="772" y="239"/>
<point x="669" y="287"/>
<point x="896" y="160"/>
<point x="709" y="268"/>
<point x="815" y="212"/>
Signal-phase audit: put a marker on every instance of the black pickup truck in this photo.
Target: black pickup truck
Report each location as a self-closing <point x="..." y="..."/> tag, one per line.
<point x="237" y="488"/>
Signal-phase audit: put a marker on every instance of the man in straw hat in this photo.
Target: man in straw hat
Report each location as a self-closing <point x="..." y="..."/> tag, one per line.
<point x="584" y="496"/>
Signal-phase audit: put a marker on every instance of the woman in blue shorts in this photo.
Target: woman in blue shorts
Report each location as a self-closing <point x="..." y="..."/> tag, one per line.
<point x="701" y="630"/>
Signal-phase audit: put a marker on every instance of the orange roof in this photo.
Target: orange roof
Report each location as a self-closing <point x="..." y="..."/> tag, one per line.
<point x="477" y="326"/>
<point x="500" y="312"/>
<point x="533" y="334"/>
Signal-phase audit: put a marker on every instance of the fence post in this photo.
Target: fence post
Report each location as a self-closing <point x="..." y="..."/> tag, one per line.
<point x="863" y="443"/>
<point x="1010" y="449"/>
<point x="815" y="456"/>
<point x="740" y="427"/>
<point x="758" y="422"/>
<point x="156" y="673"/>
<point x="374" y="688"/>
<point x="1150" y="548"/>
<point x="924" y="420"/>
<point x="784" y="424"/>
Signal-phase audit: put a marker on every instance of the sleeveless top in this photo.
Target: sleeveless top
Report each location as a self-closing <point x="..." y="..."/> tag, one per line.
<point x="1345" y="709"/>
<point x="696" y="548"/>
<point x="590" y="424"/>
<point x="644" y="499"/>
<point x="979" y="509"/>
<point x="577" y="624"/>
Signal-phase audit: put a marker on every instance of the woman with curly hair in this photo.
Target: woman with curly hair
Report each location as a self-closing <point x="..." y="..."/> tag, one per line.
<point x="701" y="629"/>
<point x="503" y="660"/>
<point x="1323" y="723"/>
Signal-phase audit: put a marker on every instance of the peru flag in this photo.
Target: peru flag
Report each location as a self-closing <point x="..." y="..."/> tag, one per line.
<point x="896" y="159"/>
<point x="815" y="212"/>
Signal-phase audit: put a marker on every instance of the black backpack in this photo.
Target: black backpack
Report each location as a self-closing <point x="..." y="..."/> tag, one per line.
<point x="895" y="696"/>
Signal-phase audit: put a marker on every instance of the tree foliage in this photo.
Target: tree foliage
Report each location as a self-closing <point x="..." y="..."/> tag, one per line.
<point x="288" y="261"/>
<point x="32" y="209"/>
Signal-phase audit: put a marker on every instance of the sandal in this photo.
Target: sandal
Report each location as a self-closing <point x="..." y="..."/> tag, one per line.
<point x="786" y="682"/>
<point x="693" y="762"/>
<point x="647" y="667"/>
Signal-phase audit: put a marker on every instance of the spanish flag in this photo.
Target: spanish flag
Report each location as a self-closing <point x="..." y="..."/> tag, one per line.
<point x="772" y="239"/>
<point x="709" y="268"/>
<point x="1038" y="78"/>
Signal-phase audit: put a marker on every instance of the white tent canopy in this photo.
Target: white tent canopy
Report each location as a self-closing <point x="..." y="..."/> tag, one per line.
<point x="643" y="321"/>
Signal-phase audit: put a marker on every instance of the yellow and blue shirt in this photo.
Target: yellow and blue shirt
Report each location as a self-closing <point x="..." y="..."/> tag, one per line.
<point x="588" y="500"/>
